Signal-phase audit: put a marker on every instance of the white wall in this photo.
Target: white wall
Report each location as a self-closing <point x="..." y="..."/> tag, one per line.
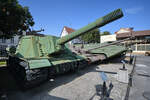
<point x="64" y="33"/>
<point x="107" y="38"/>
<point x="76" y="40"/>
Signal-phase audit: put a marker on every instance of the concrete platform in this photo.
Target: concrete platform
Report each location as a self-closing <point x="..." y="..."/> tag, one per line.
<point x="83" y="85"/>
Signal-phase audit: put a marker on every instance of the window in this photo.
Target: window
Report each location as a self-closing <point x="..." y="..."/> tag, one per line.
<point x="12" y="40"/>
<point x="0" y="40"/>
<point x="3" y="40"/>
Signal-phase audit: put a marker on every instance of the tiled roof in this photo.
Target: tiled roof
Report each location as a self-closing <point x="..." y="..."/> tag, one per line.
<point x="69" y="30"/>
<point x="134" y="34"/>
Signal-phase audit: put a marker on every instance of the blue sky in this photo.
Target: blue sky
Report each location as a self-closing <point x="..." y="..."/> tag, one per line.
<point x="52" y="15"/>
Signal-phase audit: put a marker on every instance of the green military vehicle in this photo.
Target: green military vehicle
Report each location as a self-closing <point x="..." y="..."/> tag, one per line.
<point x="38" y="58"/>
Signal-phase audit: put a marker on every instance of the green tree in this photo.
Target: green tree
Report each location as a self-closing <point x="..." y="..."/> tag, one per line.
<point x="106" y="33"/>
<point x="91" y="37"/>
<point x="14" y="18"/>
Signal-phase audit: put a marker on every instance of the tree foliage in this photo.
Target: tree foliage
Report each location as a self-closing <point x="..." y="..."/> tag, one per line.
<point x="106" y="33"/>
<point x="91" y="37"/>
<point x="14" y="18"/>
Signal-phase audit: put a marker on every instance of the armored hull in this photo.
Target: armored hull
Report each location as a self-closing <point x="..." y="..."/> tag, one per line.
<point x="109" y="50"/>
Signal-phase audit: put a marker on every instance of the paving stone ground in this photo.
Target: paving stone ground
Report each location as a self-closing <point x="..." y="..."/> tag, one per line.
<point x="140" y="89"/>
<point x="76" y="86"/>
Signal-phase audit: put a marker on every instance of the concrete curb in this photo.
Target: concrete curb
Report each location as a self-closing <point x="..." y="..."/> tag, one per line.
<point x="130" y="80"/>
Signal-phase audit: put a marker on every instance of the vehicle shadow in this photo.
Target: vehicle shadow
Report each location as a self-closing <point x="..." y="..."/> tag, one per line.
<point x="43" y="90"/>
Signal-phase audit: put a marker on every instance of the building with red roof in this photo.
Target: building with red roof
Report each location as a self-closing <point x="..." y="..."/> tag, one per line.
<point x="141" y="42"/>
<point x="67" y="30"/>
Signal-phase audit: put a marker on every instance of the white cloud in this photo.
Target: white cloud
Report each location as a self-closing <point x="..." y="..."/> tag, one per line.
<point x="134" y="10"/>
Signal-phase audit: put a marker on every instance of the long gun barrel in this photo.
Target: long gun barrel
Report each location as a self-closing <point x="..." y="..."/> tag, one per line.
<point x="98" y="23"/>
<point x="113" y="43"/>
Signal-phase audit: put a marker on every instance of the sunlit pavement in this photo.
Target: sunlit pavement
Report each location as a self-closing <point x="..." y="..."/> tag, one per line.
<point x="82" y="85"/>
<point x="140" y="89"/>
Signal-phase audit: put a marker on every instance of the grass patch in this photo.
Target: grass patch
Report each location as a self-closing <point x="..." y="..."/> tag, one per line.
<point x="3" y="63"/>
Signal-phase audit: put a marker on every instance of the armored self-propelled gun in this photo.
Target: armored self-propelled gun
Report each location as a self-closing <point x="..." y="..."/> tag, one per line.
<point x="38" y="58"/>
